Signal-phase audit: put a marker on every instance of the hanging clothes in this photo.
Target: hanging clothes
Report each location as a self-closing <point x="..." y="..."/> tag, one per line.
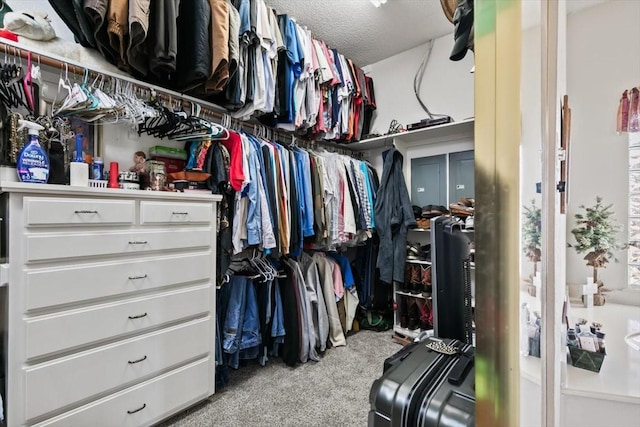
<point x="393" y="216"/>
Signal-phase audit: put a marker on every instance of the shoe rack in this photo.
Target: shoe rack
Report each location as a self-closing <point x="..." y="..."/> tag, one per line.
<point x="413" y="301"/>
<point x="413" y="298"/>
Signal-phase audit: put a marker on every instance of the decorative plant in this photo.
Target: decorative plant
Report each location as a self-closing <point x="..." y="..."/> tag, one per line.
<point x="531" y="234"/>
<point x="595" y="233"/>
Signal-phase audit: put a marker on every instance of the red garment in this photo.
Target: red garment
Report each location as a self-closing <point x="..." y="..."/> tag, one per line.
<point x="236" y="175"/>
<point x="6" y="34"/>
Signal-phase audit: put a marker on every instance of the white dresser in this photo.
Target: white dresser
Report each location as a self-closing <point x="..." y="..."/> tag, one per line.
<point x="110" y="313"/>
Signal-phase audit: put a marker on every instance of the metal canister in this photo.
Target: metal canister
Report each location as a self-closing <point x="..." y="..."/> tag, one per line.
<point x="157" y="175"/>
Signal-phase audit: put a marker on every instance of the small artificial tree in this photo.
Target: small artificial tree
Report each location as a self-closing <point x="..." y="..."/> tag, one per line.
<point x="532" y="234"/>
<point x="595" y="233"/>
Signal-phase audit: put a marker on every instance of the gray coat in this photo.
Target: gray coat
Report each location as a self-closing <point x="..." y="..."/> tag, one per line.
<point x="393" y="216"/>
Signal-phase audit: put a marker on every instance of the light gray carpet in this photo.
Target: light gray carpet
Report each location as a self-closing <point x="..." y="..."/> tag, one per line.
<point x="332" y="392"/>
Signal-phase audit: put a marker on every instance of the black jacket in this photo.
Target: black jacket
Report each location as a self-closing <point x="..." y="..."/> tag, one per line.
<point x="194" y="44"/>
<point x="393" y="216"/>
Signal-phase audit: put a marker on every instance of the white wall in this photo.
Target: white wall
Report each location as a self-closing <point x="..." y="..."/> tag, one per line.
<point x="447" y="87"/>
<point x="603" y="59"/>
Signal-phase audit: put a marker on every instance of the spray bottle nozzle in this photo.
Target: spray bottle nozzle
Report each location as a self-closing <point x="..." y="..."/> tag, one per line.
<point x="34" y="128"/>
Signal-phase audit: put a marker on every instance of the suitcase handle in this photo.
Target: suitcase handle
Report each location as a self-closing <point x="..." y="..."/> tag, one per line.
<point x="459" y="371"/>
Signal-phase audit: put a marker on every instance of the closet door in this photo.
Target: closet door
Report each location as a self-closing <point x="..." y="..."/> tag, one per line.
<point x="461" y="180"/>
<point x="429" y="181"/>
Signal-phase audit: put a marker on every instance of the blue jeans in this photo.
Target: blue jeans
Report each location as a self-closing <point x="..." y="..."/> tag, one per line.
<point x="251" y="339"/>
<point x="277" y="325"/>
<point x="241" y="325"/>
<point x="234" y="319"/>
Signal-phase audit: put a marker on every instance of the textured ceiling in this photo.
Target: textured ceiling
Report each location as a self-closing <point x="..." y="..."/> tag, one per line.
<point x="356" y="28"/>
<point x="367" y="34"/>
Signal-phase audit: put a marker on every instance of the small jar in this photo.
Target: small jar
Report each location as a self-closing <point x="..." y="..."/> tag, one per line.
<point x="572" y="339"/>
<point x="98" y="168"/>
<point x="157" y="175"/>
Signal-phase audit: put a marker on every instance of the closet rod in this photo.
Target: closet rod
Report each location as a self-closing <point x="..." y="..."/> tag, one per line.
<point x="213" y="110"/>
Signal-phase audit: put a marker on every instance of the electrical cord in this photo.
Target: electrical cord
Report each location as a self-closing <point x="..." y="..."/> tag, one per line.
<point x="417" y="82"/>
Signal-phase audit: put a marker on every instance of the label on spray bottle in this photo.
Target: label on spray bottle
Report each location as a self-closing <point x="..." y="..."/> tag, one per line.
<point x="33" y="163"/>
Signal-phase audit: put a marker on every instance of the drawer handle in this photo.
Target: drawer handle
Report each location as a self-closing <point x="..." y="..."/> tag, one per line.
<point x="133" y="362"/>
<point x="179" y="213"/>
<point x="85" y="212"/>
<point x="139" y="316"/>
<point x="138" y="242"/>
<point x="137" y="277"/>
<point x="137" y="410"/>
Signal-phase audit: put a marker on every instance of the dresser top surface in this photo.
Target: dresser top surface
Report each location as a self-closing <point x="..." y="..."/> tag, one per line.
<point x="66" y="190"/>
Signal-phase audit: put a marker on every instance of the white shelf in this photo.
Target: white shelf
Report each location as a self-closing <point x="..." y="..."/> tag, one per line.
<point x="467" y="230"/>
<point x="430" y="135"/>
<point x="418" y="261"/>
<point x="409" y="294"/>
<point x="422" y="230"/>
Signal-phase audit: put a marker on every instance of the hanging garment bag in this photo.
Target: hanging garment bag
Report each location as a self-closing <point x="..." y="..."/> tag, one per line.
<point x="428" y="383"/>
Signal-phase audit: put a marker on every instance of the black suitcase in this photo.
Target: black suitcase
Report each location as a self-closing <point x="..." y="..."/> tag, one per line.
<point x="428" y="383"/>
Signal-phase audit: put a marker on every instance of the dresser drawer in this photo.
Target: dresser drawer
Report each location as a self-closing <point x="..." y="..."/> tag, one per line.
<point x="73" y="328"/>
<point x="63" y="382"/>
<point x="69" y="212"/>
<point x="144" y="404"/>
<point x="75" y="283"/>
<point x="175" y="213"/>
<point x="41" y="247"/>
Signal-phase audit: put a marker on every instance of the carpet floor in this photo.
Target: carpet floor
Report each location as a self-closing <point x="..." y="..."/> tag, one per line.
<point x="332" y="392"/>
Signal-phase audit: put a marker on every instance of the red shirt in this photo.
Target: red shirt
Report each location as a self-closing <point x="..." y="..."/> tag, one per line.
<point x="236" y="175"/>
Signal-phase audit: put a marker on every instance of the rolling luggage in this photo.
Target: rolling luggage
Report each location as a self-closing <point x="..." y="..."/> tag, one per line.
<point x="428" y="383"/>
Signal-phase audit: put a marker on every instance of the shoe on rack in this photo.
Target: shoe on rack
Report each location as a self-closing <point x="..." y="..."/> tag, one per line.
<point x="425" y="252"/>
<point x="468" y="223"/>
<point x="423" y="223"/>
<point x="413" y="249"/>
<point x="415" y="279"/>
<point x="425" y="315"/>
<point x="426" y="280"/>
<point x="403" y="313"/>
<point x="414" y="314"/>
<point x="406" y="285"/>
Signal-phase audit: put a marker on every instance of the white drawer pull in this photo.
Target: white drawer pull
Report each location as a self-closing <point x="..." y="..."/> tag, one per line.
<point x="137" y="410"/>
<point x="85" y="212"/>
<point x="137" y="277"/>
<point x="138" y="242"/>
<point x="179" y="213"/>
<point x="139" y="316"/>
<point x="133" y="362"/>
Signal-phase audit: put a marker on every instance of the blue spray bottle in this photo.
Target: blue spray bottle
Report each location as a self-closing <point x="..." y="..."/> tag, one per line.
<point x="33" y="162"/>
